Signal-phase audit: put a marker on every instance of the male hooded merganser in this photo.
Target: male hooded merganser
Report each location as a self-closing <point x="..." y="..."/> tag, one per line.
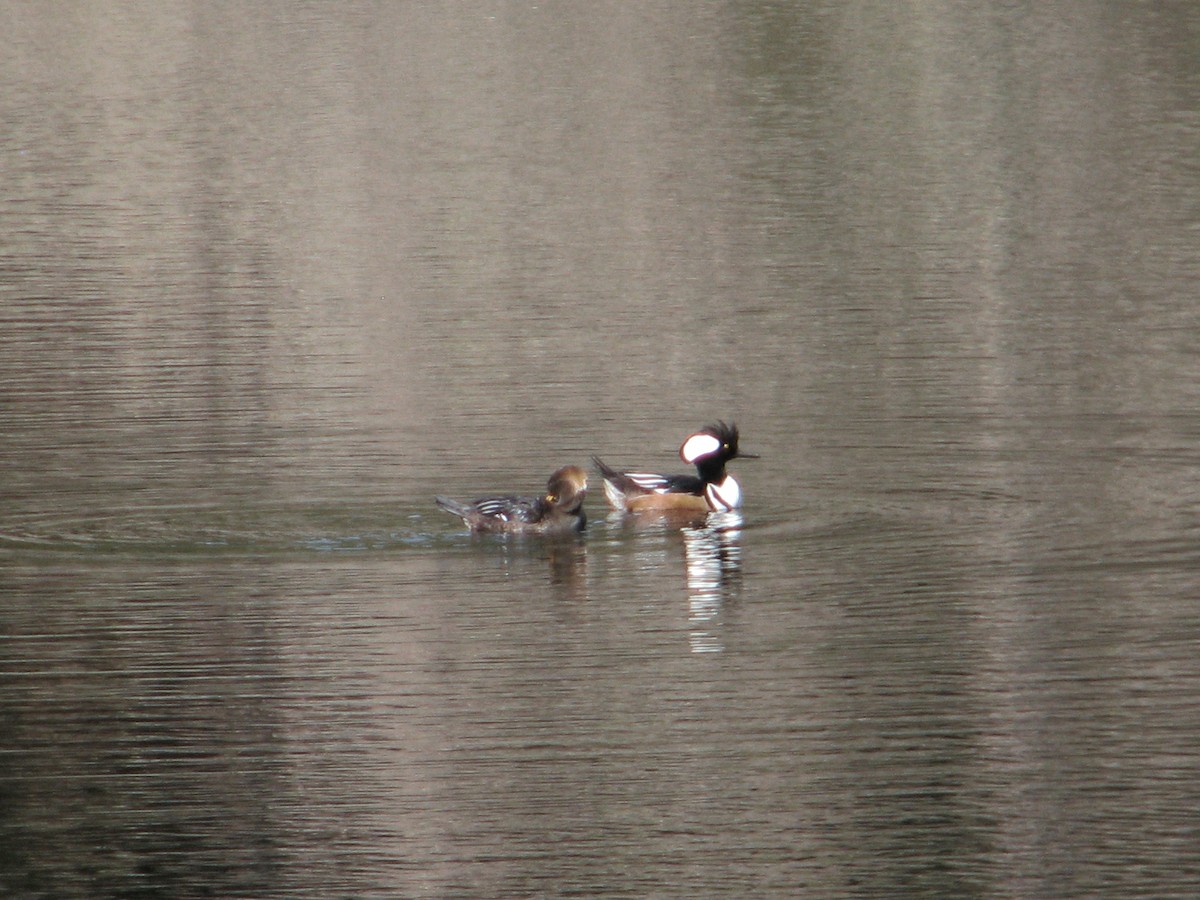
<point x="559" y="510"/>
<point x="714" y="490"/>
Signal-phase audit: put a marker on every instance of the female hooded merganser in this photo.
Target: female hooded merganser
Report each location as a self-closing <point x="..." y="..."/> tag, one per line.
<point x="708" y="450"/>
<point x="559" y="510"/>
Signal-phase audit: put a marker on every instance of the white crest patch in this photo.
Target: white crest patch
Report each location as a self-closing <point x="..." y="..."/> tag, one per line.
<point x="698" y="445"/>
<point x="724" y="496"/>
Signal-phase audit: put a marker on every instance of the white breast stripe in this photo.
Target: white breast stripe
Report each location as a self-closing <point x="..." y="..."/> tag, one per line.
<point x="724" y="496"/>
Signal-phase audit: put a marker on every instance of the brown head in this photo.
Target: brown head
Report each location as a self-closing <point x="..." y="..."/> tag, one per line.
<point x="566" y="488"/>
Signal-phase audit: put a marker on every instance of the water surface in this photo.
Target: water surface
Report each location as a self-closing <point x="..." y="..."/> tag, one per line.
<point x="272" y="278"/>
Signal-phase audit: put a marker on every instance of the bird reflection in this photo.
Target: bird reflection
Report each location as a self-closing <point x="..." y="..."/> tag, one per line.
<point x="713" y="559"/>
<point x="567" y="556"/>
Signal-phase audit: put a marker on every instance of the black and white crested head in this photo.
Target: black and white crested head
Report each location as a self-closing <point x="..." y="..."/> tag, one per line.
<point x="717" y="442"/>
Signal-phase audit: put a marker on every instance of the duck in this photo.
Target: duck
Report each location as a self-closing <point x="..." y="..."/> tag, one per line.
<point x="558" y="511"/>
<point x="711" y="489"/>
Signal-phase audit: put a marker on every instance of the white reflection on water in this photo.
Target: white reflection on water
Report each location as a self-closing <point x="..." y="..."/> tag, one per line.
<point x="713" y="556"/>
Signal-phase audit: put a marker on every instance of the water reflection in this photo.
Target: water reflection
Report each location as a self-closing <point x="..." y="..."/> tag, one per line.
<point x="713" y="556"/>
<point x="564" y="557"/>
<point x="712" y="561"/>
<point x="567" y="558"/>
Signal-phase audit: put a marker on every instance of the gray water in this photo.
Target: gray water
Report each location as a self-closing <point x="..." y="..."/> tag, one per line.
<point x="274" y="275"/>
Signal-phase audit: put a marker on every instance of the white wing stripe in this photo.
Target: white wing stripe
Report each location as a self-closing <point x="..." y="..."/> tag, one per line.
<point x="648" y="481"/>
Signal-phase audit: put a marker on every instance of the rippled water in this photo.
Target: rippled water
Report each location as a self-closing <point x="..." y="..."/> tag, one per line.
<point x="272" y="278"/>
